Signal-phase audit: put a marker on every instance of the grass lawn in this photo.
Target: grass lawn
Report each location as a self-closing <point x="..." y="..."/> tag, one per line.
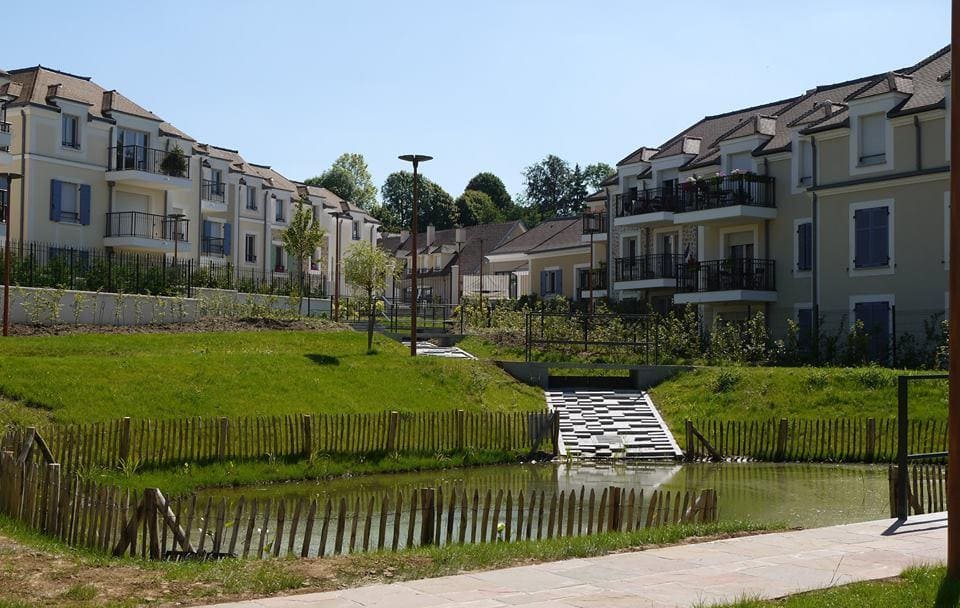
<point x="36" y="571"/>
<point x="752" y="393"/>
<point x="91" y="377"/>
<point x="915" y="588"/>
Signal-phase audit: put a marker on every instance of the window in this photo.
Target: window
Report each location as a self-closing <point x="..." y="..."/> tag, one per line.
<point x="551" y="282"/>
<point x="278" y="216"/>
<point x="216" y="179"/>
<point x="741" y="161"/>
<point x="250" y="248"/>
<point x="131" y="150"/>
<point x="871" y="237"/>
<point x="805" y="329"/>
<point x="873" y="139"/>
<point x="252" y="198"/>
<point x="69" y="203"/>
<point x="356" y="231"/>
<point x="630" y="248"/>
<point x="70" y="131"/>
<point x="875" y="317"/>
<point x="804" y="163"/>
<point x="804" y="246"/>
<point x="278" y="265"/>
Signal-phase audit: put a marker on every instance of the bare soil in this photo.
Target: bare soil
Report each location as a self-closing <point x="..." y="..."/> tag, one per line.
<point x="203" y="325"/>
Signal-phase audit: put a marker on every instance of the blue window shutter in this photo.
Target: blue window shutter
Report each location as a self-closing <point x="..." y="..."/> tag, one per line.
<point x="805" y="246"/>
<point x="85" y="204"/>
<point x="880" y="238"/>
<point x="543" y="282"/>
<point x="207" y="228"/>
<point x="861" y="235"/>
<point x="559" y="274"/>
<point x="227" y="238"/>
<point x="54" y="200"/>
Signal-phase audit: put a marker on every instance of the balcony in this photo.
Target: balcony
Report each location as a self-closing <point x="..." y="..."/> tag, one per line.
<point x="733" y="280"/>
<point x="212" y="246"/>
<point x="148" y="168"/>
<point x="6" y="136"/>
<point x="658" y="271"/>
<point x="651" y="206"/>
<point x="149" y="231"/>
<point x="729" y="197"/>
<point x="213" y="196"/>
<point x="594" y="226"/>
<point x="595" y="279"/>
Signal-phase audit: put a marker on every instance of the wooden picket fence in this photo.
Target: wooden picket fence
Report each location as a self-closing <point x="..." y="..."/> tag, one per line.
<point x="146" y="524"/>
<point x="926" y="488"/>
<point x="163" y="442"/>
<point x="810" y="440"/>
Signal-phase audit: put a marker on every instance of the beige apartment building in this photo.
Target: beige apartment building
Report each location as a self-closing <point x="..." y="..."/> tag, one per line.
<point x="98" y="171"/>
<point x="825" y="208"/>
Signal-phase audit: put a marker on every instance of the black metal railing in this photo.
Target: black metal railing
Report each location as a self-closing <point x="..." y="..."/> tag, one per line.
<point x="644" y="267"/>
<point x="3" y="208"/>
<point x="4" y="127"/>
<point x="594" y="222"/>
<point x="597" y="281"/>
<point x="212" y="245"/>
<point x="146" y="225"/>
<point x="703" y="193"/>
<point x="723" y="275"/>
<point x="150" y="160"/>
<point x="649" y="200"/>
<point x="213" y="191"/>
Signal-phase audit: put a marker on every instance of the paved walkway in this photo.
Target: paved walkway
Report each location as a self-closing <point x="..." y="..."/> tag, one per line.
<point x="429" y="349"/>
<point x="611" y="424"/>
<point x="771" y="565"/>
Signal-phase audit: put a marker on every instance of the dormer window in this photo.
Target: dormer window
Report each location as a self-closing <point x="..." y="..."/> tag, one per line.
<point x="741" y="161"/>
<point x="356" y="231"/>
<point x="70" y="131"/>
<point x="872" y="139"/>
<point x="252" y="198"/>
<point x="804" y="163"/>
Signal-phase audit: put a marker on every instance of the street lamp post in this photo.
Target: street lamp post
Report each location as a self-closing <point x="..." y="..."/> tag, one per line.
<point x="953" y="422"/>
<point x="340" y="215"/>
<point x="8" y="177"/>
<point x="415" y="159"/>
<point x="176" y="217"/>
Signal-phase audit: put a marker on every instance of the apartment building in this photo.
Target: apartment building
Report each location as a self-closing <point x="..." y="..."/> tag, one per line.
<point x="100" y="171"/>
<point x="825" y="208"/>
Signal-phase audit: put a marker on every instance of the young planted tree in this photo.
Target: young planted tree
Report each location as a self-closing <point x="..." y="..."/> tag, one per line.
<point x="366" y="269"/>
<point x="301" y="239"/>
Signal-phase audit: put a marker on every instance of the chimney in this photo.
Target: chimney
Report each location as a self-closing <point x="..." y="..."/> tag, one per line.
<point x="461" y="235"/>
<point x="431" y="234"/>
<point x="404" y="235"/>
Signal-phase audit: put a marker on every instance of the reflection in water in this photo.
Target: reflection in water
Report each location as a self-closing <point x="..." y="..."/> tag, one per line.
<point x="794" y="494"/>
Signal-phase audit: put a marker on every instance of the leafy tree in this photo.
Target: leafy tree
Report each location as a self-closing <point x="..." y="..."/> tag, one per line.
<point x="366" y="268"/>
<point x="349" y="178"/>
<point x="492" y="186"/>
<point x="436" y="206"/>
<point x="302" y="237"/>
<point x="554" y="188"/>
<point x="597" y="173"/>
<point x="475" y="207"/>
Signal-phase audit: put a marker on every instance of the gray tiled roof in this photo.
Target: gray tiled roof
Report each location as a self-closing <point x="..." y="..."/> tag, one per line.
<point x="492" y="235"/>
<point x="544" y="236"/>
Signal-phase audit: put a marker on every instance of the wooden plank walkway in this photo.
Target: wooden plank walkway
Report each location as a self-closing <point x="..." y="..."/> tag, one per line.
<point x="768" y="566"/>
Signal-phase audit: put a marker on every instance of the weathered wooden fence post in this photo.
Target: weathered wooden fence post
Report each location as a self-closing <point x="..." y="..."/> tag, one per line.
<point x="615" y="496"/>
<point x="123" y="454"/>
<point x="688" y="428"/>
<point x="461" y="424"/>
<point x="428" y="520"/>
<point x="53" y="498"/>
<point x="871" y="440"/>
<point x="392" y="425"/>
<point x="222" y="438"/>
<point x="782" y="440"/>
<point x="555" y="432"/>
<point x="307" y="422"/>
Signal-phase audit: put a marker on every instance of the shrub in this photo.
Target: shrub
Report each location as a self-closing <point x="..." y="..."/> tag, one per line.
<point x="817" y="380"/>
<point x="726" y="381"/>
<point x="873" y="377"/>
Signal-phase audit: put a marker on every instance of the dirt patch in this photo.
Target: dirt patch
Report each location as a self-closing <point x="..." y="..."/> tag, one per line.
<point x="204" y="325"/>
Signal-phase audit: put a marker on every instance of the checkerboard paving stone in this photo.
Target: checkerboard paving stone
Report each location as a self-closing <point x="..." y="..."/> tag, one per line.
<point x="611" y="424"/>
<point x="671" y="577"/>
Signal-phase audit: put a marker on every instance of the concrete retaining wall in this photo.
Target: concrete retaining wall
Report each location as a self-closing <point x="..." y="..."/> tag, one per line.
<point x="309" y="307"/>
<point x="641" y="377"/>
<point x="51" y="306"/>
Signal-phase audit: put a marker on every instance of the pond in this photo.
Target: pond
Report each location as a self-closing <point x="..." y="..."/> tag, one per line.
<point x="807" y="495"/>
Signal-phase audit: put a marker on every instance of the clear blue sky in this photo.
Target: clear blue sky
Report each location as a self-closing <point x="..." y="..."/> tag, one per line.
<point x="491" y="85"/>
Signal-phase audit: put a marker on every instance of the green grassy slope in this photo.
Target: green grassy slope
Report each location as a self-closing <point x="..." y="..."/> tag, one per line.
<point x="81" y="378"/>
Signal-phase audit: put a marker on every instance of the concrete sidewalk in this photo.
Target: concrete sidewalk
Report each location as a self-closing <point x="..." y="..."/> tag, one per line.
<point x="768" y="566"/>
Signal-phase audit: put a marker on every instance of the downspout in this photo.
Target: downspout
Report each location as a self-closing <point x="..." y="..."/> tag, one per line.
<point x="23" y="178"/>
<point x="199" y="222"/>
<point x="266" y="231"/>
<point x="815" y="253"/>
<point x="919" y="140"/>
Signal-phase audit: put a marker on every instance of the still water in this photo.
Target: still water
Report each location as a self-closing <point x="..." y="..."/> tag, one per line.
<point x="807" y="495"/>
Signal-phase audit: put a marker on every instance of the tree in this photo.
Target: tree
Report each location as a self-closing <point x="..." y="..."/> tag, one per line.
<point x="596" y="174"/>
<point x="302" y="238"/>
<point x="366" y="268"/>
<point x="475" y="207"/>
<point x="492" y="186"/>
<point x="436" y="206"/>
<point x="349" y="178"/>
<point x="553" y="187"/>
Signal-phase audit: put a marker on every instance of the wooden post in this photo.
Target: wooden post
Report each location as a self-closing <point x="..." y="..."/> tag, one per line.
<point x="555" y="433"/>
<point x="871" y="439"/>
<point x="150" y="508"/>
<point x="461" y="415"/>
<point x="392" y="426"/>
<point x="688" y="427"/>
<point x="123" y="454"/>
<point x="53" y="498"/>
<point x="307" y="422"/>
<point x="428" y="520"/>
<point x="782" y="440"/>
<point x="614" y="519"/>
<point x="222" y="438"/>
